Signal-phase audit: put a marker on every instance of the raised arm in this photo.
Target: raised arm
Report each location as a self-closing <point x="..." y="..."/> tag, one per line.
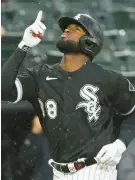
<point x="13" y="86"/>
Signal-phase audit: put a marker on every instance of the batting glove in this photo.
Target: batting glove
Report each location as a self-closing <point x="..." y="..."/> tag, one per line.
<point x="111" y="154"/>
<point x="34" y="33"/>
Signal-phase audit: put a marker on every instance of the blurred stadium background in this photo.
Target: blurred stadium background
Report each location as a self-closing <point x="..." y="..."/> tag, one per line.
<point x="117" y="18"/>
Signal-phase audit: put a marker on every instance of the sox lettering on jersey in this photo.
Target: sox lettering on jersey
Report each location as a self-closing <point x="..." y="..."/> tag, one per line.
<point x="91" y="105"/>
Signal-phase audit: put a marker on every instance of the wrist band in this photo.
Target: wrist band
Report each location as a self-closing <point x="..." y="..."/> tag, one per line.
<point x="23" y="46"/>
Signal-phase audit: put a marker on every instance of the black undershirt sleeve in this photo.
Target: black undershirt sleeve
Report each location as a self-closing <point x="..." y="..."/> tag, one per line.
<point x="121" y="94"/>
<point x="16" y="87"/>
<point x="9" y="73"/>
<point x="10" y="69"/>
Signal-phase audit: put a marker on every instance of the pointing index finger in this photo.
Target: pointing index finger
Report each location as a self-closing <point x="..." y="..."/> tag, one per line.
<point x="39" y="16"/>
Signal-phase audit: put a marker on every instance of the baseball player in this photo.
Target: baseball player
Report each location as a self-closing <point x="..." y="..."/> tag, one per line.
<point x="75" y="100"/>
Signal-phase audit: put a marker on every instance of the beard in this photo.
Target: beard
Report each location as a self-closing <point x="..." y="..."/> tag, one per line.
<point x="68" y="46"/>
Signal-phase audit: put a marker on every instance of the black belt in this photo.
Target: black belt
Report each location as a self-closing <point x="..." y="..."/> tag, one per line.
<point x="69" y="167"/>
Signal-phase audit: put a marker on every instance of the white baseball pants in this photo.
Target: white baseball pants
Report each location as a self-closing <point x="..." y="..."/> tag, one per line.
<point x="93" y="172"/>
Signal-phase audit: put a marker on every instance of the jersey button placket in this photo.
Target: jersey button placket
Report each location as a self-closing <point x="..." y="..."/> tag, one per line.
<point x="68" y="97"/>
<point x="69" y="78"/>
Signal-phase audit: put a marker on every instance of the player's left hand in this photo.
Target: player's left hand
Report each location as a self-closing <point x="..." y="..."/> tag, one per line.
<point x="111" y="154"/>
